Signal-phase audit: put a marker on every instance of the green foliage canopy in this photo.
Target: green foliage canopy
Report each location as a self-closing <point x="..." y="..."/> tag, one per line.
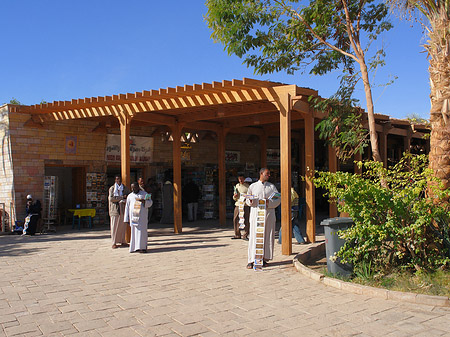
<point x="319" y="35"/>
<point x="274" y="35"/>
<point x="397" y="225"/>
<point x="343" y="128"/>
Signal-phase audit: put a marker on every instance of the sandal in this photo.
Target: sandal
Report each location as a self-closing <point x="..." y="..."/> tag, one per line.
<point x="250" y="265"/>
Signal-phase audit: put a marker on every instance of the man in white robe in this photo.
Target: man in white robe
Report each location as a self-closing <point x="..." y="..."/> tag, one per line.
<point x="136" y="213"/>
<point x="262" y="190"/>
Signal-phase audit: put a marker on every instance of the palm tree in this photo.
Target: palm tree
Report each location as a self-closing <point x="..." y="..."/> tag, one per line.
<point x="436" y="21"/>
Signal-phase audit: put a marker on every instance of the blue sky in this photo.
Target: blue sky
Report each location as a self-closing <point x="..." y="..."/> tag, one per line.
<point x="61" y="50"/>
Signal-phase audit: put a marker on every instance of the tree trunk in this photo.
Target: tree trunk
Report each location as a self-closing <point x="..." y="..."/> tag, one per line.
<point x="438" y="47"/>
<point x="370" y="112"/>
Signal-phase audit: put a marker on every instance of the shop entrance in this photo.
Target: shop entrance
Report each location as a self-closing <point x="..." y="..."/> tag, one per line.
<point x="112" y="171"/>
<point x="70" y="189"/>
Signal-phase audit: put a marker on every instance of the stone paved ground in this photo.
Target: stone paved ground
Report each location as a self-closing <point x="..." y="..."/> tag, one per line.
<point x="190" y="284"/>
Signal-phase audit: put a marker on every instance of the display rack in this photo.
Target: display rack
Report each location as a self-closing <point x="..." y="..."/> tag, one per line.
<point x="210" y="209"/>
<point x="50" y="202"/>
<point x="157" y="196"/>
<point x="96" y="196"/>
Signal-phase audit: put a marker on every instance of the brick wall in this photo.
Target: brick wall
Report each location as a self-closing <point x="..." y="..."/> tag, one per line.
<point x="33" y="148"/>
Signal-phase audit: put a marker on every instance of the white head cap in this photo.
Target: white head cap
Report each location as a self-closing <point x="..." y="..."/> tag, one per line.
<point x="29" y="197"/>
<point x="248" y="180"/>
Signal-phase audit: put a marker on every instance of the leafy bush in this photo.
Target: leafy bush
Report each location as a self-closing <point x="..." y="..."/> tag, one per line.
<point x="401" y="215"/>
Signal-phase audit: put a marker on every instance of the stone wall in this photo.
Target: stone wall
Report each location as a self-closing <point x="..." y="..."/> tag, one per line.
<point x="6" y="170"/>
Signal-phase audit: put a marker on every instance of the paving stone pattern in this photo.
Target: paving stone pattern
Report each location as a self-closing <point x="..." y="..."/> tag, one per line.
<point x="191" y="284"/>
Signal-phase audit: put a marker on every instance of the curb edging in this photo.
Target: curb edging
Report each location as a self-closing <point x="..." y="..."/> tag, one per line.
<point x="313" y="251"/>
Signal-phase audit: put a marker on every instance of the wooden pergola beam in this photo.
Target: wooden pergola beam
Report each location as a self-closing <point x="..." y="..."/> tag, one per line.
<point x="232" y="111"/>
<point x="209" y="126"/>
<point x="177" y="202"/>
<point x="155" y="118"/>
<point x="257" y="120"/>
<point x="248" y="130"/>
<point x="284" y="104"/>
<point x="225" y="91"/>
<point x="309" y="172"/>
<point x="125" y="121"/>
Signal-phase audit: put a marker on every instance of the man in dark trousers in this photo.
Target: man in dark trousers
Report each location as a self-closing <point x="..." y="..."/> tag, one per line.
<point x="191" y="194"/>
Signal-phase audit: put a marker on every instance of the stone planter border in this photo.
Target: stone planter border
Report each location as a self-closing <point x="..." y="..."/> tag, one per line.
<point x="316" y="250"/>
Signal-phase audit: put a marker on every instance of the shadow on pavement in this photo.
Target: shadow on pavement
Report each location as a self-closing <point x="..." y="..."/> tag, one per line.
<point x="17" y="245"/>
<point x="280" y="263"/>
<point x="177" y="242"/>
<point x="173" y="249"/>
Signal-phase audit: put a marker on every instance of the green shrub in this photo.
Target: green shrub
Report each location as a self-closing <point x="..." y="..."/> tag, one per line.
<point x="401" y="215"/>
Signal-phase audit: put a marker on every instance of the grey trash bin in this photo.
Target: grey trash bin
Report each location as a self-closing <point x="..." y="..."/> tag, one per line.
<point x="333" y="244"/>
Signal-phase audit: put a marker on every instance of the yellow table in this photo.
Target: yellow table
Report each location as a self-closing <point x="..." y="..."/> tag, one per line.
<point x="82" y="212"/>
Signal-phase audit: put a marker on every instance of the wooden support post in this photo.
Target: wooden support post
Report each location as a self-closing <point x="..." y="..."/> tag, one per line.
<point x="125" y="122"/>
<point x="177" y="208"/>
<point x="357" y="157"/>
<point x="332" y="168"/>
<point x="383" y="147"/>
<point x="285" y="166"/>
<point x="309" y="172"/>
<point x="302" y="162"/>
<point x="427" y="146"/>
<point x="263" y="142"/>
<point x="407" y="140"/>
<point x="221" y="136"/>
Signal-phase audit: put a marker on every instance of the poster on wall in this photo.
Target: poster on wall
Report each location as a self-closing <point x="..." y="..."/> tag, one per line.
<point x="71" y="145"/>
<point x="141" y="149"/>
<point x="232" y="156"/>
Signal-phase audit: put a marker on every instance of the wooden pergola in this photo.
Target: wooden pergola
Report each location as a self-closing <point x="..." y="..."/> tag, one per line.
<point x="260" y="106"/>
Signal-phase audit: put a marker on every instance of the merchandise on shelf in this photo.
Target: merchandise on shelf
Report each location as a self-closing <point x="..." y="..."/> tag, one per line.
<point x="96" y="196"/>
<point x="209" y="197"/>
<point x="50" y="197"/>
<point x="50" y="205"/>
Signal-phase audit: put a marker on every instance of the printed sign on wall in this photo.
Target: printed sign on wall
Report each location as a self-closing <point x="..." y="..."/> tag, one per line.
<point x="141" y="149"/>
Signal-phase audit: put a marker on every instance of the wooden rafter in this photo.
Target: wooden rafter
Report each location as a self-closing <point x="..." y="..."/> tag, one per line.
<point x="258" y="119"/>
<point x="170" y="98"/>
<point x="219" y="112"/>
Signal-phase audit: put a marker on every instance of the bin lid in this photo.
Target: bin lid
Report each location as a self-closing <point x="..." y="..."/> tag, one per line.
<point x="336" y="221"/>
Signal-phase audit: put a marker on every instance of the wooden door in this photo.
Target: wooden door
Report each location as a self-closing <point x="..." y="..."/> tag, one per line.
<point x="79" y="185"/>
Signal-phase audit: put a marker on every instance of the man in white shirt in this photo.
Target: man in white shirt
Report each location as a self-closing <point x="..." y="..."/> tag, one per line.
<point x="262" y="190"/>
